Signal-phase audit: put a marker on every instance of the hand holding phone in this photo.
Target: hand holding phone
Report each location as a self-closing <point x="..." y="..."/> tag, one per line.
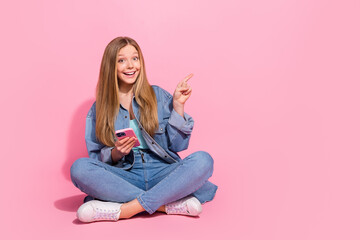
<point x="127" y="132"/>
<point x="126" y="141"/>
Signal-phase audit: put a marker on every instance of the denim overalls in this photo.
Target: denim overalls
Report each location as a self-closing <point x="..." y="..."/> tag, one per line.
<point x="155" y="176"/>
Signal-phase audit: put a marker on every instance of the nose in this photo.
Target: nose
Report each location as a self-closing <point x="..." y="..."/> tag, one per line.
<point x="130" y="64"/>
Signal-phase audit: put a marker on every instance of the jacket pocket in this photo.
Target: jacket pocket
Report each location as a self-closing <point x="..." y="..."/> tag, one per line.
<point x="161" y="128"/>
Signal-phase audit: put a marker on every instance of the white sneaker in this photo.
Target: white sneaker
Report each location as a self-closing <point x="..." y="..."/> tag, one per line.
<point x="95" y="210"/>
<point x="186" y="206"/>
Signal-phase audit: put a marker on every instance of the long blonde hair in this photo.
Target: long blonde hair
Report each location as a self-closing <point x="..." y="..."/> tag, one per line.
<point x="107" y="94"/>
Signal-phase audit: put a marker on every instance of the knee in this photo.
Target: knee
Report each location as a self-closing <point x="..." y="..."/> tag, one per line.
<point x="78" y="169"/>
<point x="204" y="161"/>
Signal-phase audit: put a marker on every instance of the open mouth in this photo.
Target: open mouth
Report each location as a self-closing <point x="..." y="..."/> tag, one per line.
<point x="129" y="73"/>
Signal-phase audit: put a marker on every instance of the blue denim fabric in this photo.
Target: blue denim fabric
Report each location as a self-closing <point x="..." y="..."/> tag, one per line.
<point x="172" y="136"/>
<point x="151" y="180"/>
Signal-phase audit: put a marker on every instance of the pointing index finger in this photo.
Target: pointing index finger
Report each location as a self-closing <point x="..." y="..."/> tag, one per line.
<point x="188" y="77"/>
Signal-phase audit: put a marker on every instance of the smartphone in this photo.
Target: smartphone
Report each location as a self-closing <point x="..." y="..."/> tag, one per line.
<point x="127" y="132"/>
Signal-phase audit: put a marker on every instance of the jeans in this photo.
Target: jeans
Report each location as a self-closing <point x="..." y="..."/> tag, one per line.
<point x="152" y="181"/>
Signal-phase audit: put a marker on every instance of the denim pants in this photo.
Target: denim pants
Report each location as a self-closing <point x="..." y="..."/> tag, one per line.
<point x="151" y="181"/>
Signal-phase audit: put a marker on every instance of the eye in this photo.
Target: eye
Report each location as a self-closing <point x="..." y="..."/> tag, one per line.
<point x="136" y="58"/>
<point x="121" y="60"/>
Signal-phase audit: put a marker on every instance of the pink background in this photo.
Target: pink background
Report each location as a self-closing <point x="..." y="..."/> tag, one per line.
<point x="275" y="101"/>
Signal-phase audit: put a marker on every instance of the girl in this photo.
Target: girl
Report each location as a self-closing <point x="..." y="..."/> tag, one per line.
<point x="122" y="180"/>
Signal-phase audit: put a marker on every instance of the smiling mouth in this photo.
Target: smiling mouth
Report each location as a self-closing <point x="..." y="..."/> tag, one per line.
<point x="130" y="73"/>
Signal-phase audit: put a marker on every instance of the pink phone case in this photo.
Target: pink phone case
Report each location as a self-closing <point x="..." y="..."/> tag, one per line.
<point x="127" y="132"/>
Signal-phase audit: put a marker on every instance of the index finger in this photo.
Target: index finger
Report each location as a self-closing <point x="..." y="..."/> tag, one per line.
<point x="188" y="77"/>
<point x="124" y="140"/>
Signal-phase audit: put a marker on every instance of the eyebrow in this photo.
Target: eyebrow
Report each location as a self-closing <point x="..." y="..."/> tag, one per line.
<point x="132" y="54"/>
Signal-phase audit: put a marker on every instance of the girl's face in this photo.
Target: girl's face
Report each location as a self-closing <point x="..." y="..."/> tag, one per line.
<point x="128" y="65"/>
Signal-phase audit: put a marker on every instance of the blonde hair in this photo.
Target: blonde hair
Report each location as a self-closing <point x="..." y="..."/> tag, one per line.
<point x="107" y="94"/>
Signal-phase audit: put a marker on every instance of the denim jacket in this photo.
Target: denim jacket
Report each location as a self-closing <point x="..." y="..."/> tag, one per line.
<point x="172" y="136"/>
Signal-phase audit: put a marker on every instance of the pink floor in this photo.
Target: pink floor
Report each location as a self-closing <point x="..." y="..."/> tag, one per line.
<point x="303" y="200"/>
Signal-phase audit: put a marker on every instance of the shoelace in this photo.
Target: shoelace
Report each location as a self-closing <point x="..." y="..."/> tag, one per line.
<point x="106" y="214"/>
<point x="177" y="207"/>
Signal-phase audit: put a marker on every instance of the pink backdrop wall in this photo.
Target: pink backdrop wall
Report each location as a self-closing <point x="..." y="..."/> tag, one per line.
<point x="281" y="78"/>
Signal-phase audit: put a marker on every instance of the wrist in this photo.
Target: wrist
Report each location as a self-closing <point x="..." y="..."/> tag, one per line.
<point x="178" y="104"/>
<point x="115" y="155"/>
<point x="179" y="108"/>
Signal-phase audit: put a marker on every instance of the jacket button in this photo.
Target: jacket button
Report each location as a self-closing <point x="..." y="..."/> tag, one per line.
<point x="152" y="143"/>
<point x="140" y="128"/>
<point x="165" y="156"/>
<point x="160" y="129"/>
<point x="125" y="116"/>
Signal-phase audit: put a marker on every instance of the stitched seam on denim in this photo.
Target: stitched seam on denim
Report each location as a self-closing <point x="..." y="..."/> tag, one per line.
<point x="183" y="125"/>
<point x="143" y="204"/>
<point x="158" y="145"/>
<point x="213" y="193"/>
<point x="108" y="167"/>
<point x="105" y="166"/>
<point x="195" y="189"/>
<point x="145" y="176"/>
<point x="172" y="139"/>
<point x="133" y="162"/>
<point x="161" y="176"/>
<point x="156" y="186"/>
<point x="161" y="181"/>
<point x="188" y="192"/>
<point x="161" y="126"/>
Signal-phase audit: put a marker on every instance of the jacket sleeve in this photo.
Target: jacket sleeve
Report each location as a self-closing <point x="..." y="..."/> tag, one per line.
<point x="95" y="149"/>
<point x="179" y="128"/>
